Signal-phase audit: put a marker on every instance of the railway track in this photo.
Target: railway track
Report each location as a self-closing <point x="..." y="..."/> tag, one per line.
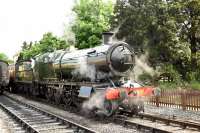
<point x="35" y="120"/>
<point x="158" y="124"/>
<point x="7" y="125"/>
<point x="171" y="120"/>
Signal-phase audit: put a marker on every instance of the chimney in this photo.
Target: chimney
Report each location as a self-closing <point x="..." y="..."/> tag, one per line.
<point x="107" y="37"/>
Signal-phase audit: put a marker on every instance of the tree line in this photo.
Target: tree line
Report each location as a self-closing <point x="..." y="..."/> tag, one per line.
<point x="168" y="30"/>
<point x="48" y="43"/>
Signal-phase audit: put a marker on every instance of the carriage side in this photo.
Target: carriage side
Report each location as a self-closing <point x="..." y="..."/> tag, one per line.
<point x="4" y="75"/>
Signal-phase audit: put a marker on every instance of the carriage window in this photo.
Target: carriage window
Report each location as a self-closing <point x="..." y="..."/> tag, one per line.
<point x="25" y="66"/>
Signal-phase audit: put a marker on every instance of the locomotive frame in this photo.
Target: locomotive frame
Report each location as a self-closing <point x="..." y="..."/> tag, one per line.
<point x="50" y="75"/>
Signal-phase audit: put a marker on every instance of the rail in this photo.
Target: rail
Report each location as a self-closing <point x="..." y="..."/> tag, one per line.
<point x="184" y="124"/>
<point x="32" y="129"/>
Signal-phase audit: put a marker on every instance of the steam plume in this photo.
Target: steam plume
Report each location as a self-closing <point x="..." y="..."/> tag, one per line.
<point x="141" y="66"/>
<point x="85" y="70"/>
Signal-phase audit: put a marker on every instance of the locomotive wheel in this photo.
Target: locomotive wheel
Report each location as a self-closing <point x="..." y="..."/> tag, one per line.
<point x="57" y="97"/>
<point x="11" y="89"/>
<point x="137" y="108"/>
<point x="35" y="89"/>
<point x="1" y="91"/>
<point x="26" y="90"/>
<point x="110" y="107"/>
<point x="31" y="90"/>
<point x="23" y="89"/>
<point x="67" y="99"/>
<point x="70" y="98"/>
<point x="49" y="95"/>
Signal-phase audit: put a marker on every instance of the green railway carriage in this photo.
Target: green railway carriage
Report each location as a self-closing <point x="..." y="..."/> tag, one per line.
<point x="4" y="75"/>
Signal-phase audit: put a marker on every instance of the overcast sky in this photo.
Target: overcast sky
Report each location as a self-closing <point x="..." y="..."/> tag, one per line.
<point x="28" y="20"/>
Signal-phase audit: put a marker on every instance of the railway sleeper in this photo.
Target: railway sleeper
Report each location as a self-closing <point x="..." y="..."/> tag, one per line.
<point x="54" y="122"/>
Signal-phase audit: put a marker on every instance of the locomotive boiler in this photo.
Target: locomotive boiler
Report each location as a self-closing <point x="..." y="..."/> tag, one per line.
<point x="72" y="77"/>
<point x="109" y="60"/>
<point x="4" y="77"/>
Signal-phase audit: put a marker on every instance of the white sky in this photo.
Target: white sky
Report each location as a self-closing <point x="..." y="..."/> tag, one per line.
<point x="28" y="20"/>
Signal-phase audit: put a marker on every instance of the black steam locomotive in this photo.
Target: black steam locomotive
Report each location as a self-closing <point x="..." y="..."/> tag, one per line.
<point x="70" y="77"/>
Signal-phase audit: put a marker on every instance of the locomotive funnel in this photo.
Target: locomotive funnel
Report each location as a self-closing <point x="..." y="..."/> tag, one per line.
<point x="107" y="37"/>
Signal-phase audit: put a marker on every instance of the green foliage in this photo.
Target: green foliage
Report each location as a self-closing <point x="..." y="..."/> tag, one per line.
<point x="168" y="85"/>
<point x="191" y="76"/>
<point x="48" y="43"/>
<point x="146" y="78"/>
<point x="171" y="72"/>
<point x="3" y="57"/>
<point x="93" y="17"/>
<point x="169" y="30"/>
<point x="195" y="85"/>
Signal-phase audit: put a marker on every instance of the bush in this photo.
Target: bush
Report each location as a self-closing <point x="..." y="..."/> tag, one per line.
<point x="195" y="85"/>
<point x="145" y="78"/>
<point x="190" y="76"/>
<point x="193" y="76"/>
<point x="168" y="85"/>
<point x="171" y="72"/>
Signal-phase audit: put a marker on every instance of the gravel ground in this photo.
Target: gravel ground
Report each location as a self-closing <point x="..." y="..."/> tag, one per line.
<point x="170" y="112"/>
<point x="6" y="124"/>
<point x="102" y="127"/>
<point x="5" y="127"/>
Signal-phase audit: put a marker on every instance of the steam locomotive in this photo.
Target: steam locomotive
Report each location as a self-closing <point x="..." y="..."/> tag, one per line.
<point x="71" y="77"/>
<point x="4" y="77"/>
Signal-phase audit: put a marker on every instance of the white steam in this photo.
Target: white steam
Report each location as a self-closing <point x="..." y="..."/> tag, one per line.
<point x="72" y="48"/>
<point x="85" y="70"/>
<point x="96" y="101"/>
<point x="141" y="66"/>
<point x="89" y="71"/>
<point x="114" y="38"/>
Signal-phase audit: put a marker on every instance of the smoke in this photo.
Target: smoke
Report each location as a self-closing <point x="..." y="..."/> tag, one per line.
<point x="85" y="70"/>
<point x="141" y="66"/>
<point x="95" y="102"/>
<point x="89" y="71"/>
<point x="132" y="102"/>
<point x="68" y="34"/>
<point x="114" y="37"/>
<point x="72" y="48"/>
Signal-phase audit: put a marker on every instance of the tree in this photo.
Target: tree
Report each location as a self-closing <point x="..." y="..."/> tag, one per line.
<point x="168" y="30"/>
<point x="48" y="43"/>
<point x="3" y="57"/>
<point x="188" y="20"/>
<point x="93" y="18"/>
